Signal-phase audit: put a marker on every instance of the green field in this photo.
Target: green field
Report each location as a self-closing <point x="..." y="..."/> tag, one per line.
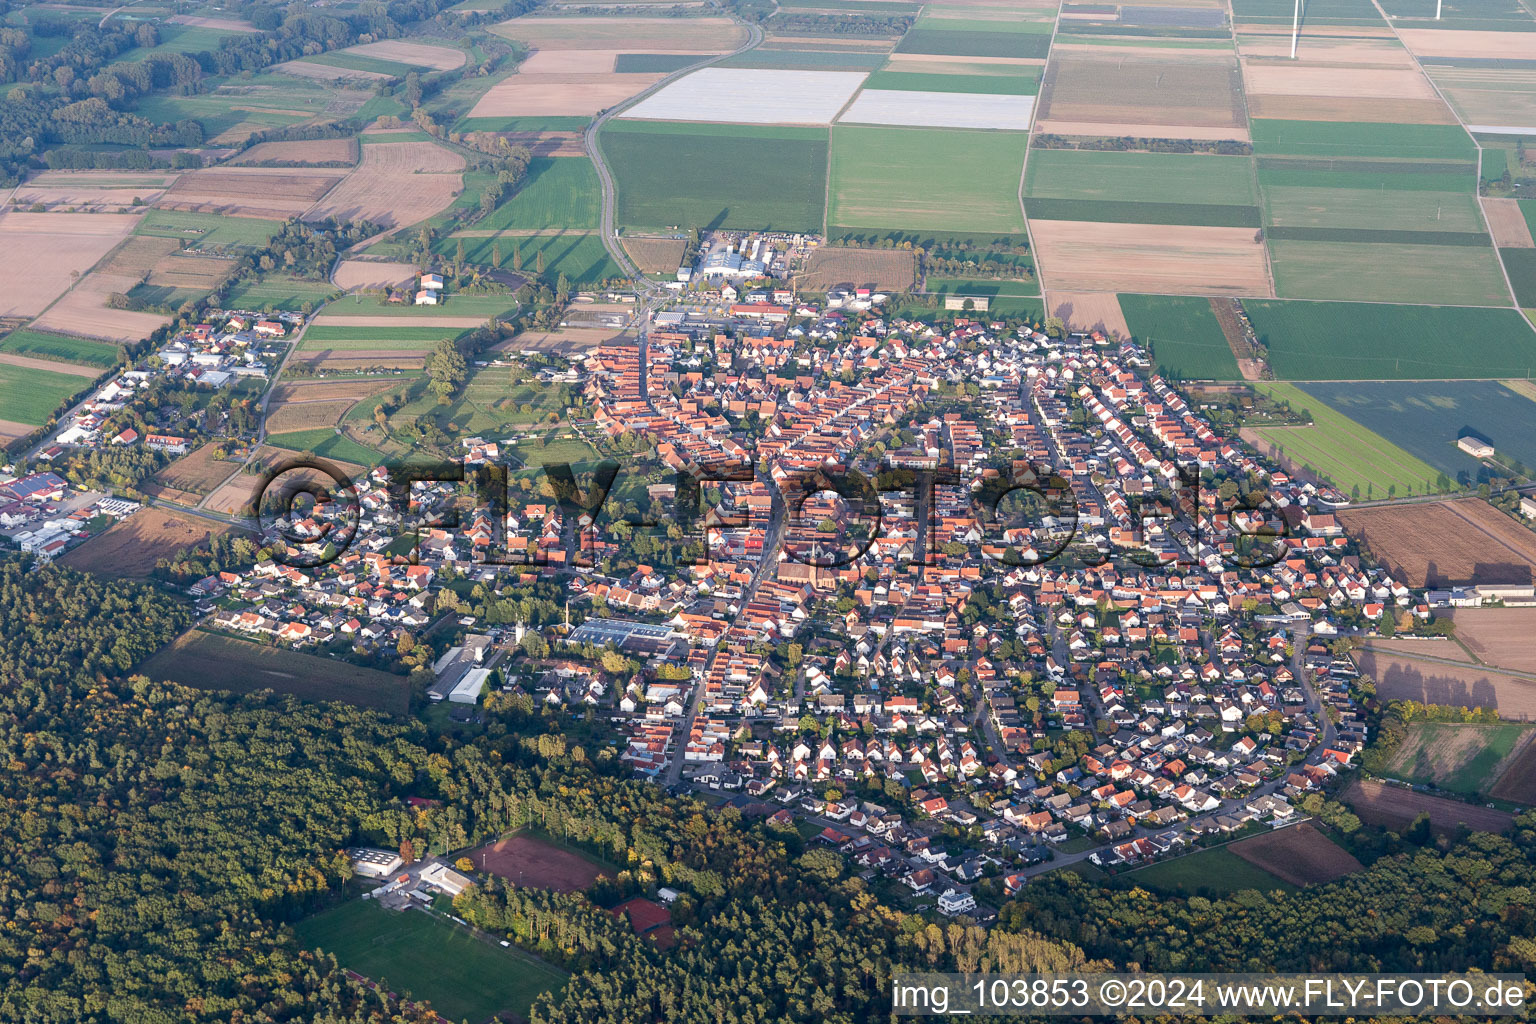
<point x="277" y="291"/>
<point x="330" y="333"/>
<point x="1395" y="210"/>
<point x="217" y="113"/>
<point x="1320" y="14"/>
<point x="1360" y="175"/>
<point x="666" y="63"/>
<point x="1520" y="264"/>
<point x="1115" y="178"/>
<point x="1456" y="757"/>
<point x="520" y="124"/>
<point x="1376" y="341"/>
<point x="1121" y="212"/>
<point x="1218" y="872"/>
<point x="212" y="662"/>
<point x="549" y="449"/>
<point x="582" y="258"/>
<point x="178" y="39"/>
<point x="361" y="62"/>
<point x="1458" y="275"/>
<point x="494" y="401"/>
<point x="1183" y="335"/>
<point x="61" y="347"/>
<point x="805" y="60"/>
<point x="456" y="304"/>
<point x="428" y="958"/>
<point x="1358" y="461"/>
<point x="996" y="85"/>
<point x="925" y="179"/>
<point x="325" y="442"/>
<point x="1405" y="142"/>
<point x="209" y="230"/>
<point x="709" y="176"/>
<point x="558" y="193"/>
<point x="1005" y="297"/>
<point x="974" y="43"/>
<point x="30" y="396"/>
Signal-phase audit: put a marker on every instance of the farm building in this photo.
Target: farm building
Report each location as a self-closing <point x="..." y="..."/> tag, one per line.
<point x="426" y="297"/>
<point x="1528" y="507"/>
<point x="468" y="689"/>
<point x="1475" y="446"/>
<point x="432" y="282"/>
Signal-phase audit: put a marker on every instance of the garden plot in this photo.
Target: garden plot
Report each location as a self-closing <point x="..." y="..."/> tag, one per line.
<point x="1144" y="96"/>
<point x="249" y="191"/>
<point x="419" y="55"/>
<point x="397" y="183"/>
<point x="750" y="96"/>
<point x="940" y="110"/>
<point x="41" y="254"/>
<point x="1093" y="257"/>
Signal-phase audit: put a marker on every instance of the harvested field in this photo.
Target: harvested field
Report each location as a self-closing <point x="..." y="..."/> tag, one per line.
<point x="222" y="24"/>
<point x="629" y="34"/>
<point x="190" y="477"/>
<point x="189" y="270"/>
<point x="250" y="191"/>
<point x="527" y="861"/>
<point x="559" y="95"/>
<point x="51" y="365"/>
<point x="396" y="184"/>
<point x="940" y="110"/>
<point x="570" y="341"/>
<point x="1144" y="91"/>
<point x="1518" y="783"/>
<point x="462" y="323"/>
<point x="1396" y="808"/>
<point x="137" y="255"/>
<point x="90" y="189"/>
<point x="655" y="255"/>
<point x="1083" y="256"/>
<point x="353" y="274"/>
<point x="1332" y="108"/>
<point x="1139" y="129"/>
<point x="313" y="151"/>
<point x="1436" y="647"/>
<point x="1299" y="854"/>
<point x="1507" y="224"/>
<point x="1457" y="757"/>
<point x="1089" y="311"/>
<point x="84" y="311"/>
<point x="752" y="96"/>
<point x="308" y="415"/>
<point x="547" y="144"/>
<point x="1307" y="80"/>
<point x="589" y="62"/>
<point x="1341" y="50"/>
<point x="403" y="51"/>
<point x="887" y="269"/>
<point x="1446" y="543"/>
<point x="131" y="548"/>
<point x="40" y="251"/>
<point x="1435" y="42"/>
<point x="1499" y="636"/>
<point x="1455" y="684"/>
<point x="317" y="72"/>
<point x="10" y="430"/>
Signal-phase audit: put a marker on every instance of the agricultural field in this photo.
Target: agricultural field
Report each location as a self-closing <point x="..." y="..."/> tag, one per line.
<point x="313" y="151"/>
<point x="1214" y="873"/>
<point x="637" y="34"/>
<point x="43" y="254"/>
<point x="743" y="96"/>
<point x="1183" y="335"/>
<point x="1173" y="188"/>
<point x="83" y="310"/>
<point x="1299" y="854"/>
<point x="1520" y="265"/>
<point x="1144" y="94"/>
<point x="900" y="180"/>
<point x="671" y="175"/>
<point x="914" y="109"/>
<point x="92" y="191"/>
<point x="426" y="958"/>
<point x="1090" y="311"/>
<point x="655" y="254"/>
<point x="209" y="231"/>
<point x="1518" y="783"/>
<point x="1003" y="297"/>
<point x="130" y="548"/>
<point x="1427" y="417"/>
<point x="1388" y="272"/>
<point x="1356" y="460"/>
<point x="30" y="392"/>
<point x="554" y="94"/>
<point x="326" y="443"/>
<point x="1447" y="543"/>
<point x="395" y="184"/>
<point x="890" y="270"/>
<point x="1362" y="141"/>
<point x="60" y="348"/>
<point x="1178" y="260"/>
<point x="529" y="860"/>
<point x="1457" y="758"/>
<point x="558" y="192"/>
<point x="278" y="291"/>
<point x="1396" y="808"/>
<point x="957" y="37"/>
<point x="234" y="111"/>
<point x="461" y="310"/>
<point x="355" y="274"/>
<point x="1370" y="341"/>
<point x="1499" y="636"/>
<point x="259" y="192"/>
<point x="190" y="477"/>
<point x="581" y="257"/>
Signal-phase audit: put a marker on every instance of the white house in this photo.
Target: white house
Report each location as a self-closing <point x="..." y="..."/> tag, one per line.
<point x="433" y="282"/>
<point x="956" y="902"/>
<point x="426" y="297"/>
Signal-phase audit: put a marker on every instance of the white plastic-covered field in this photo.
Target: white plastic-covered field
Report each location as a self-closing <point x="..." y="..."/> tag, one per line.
<point x="751" y="96"/>
<point x="940" y="110"/>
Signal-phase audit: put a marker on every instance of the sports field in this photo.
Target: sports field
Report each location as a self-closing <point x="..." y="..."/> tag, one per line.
<point x="1358" y="461"/>
<point x="425" y="957"/>
<point x="558" y="192"/>
<point x="1378" y="341"/>
<point x="1385" y="272"/>
<point x="709" y="176"/>
<point x="61" y="347"/>
<point x="30" y="395"/>
<point x="1184" y="336"/>
<point x="925" y="179"/>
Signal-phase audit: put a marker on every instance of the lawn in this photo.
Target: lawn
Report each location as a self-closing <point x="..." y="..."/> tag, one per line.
<point x="546" y="450"/>
<point x="581" y="257"/>
<point x="30" y="396"/>
<point x="558" y="193"/>
<point x="1377" y="341"/>
<point x="710" y="176"/>
<point x="1140" y="177"/>
<point x="455" y="304"/>
<point x="1218" y="872"/>
<point x="1380" y="272"/>
<point x="209" y="230"/>
<point x="1406" y="142"/>
<point x="916" y="179"/>
<point x="277" y="291"/>
<point x="1359" y="462"/>
<point x="326" y="443"/>
<point x="1426" y="417"/>
<point x="428" y="958"/>
<point x="212" y="662"/>
<point x="1184" y="336"/>
<point x="61" y="347"/>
